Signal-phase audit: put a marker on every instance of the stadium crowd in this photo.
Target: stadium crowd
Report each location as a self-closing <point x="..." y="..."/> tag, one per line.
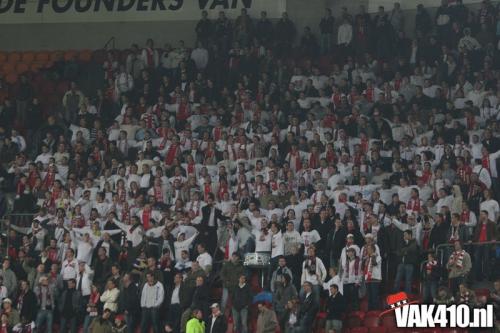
<point x="362" y="162"/>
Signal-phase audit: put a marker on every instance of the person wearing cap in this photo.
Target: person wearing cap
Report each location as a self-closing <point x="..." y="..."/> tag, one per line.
<point x="120" y="325"/>
<point x="216" y="322"/>
<point x="102" y="324"/>
<point x="11" y="312"/>
<point x="45" y="296"/>
<point x="196" y="323"/>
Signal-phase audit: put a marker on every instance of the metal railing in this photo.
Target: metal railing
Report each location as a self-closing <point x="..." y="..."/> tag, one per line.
<point x="110" y="41"/>
<point x="440" y="250"/>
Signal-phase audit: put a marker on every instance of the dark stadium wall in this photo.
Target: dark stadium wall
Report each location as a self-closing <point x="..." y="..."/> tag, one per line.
<point x="94" y="35"/>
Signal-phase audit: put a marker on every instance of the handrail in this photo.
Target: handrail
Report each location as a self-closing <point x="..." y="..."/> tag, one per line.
<point x="441" y="247"/>
<point x="111" y="40"/>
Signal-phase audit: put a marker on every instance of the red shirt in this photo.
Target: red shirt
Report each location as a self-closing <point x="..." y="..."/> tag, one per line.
<point x="482" y="233"/>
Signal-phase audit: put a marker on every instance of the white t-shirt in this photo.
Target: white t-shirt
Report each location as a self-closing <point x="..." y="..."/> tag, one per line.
<point x="277" y="248"/>
<point x="491" y="206"/>
<point x="262" y="245"/>
<point x="310" y="237"/>
<point x="204" y="260"/>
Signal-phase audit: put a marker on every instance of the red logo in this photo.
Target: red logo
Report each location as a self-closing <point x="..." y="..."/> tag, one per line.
<point x="396" y="301"/>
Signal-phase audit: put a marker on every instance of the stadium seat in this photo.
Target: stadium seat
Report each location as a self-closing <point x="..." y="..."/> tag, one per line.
<point x="85" y="56"/>
<point x="482" y="292"/>
<point x="22" y="68"/>
<point x="378" y="329"/>
<point x="370" y="321"/>
<point x="359" y="330"/>
<point x="35" y="67"/>
<point x="373" y="313"/>
<point x="11" y="78"/>
<point x="14" y="57"/>
<point x="354" y="321"/>
<point x="55" y="56"/>
<point x="28" y="57"/>
<point x="42" y="57"/>
<point x="482" y="299"/>
<point x="359" y="314"/>
<point x="363" y="305"/>
<point x="432" y="330"/>
<point x="8" y="68"/>
<point x="389" y="321"/>
<point x="70" y="55"/>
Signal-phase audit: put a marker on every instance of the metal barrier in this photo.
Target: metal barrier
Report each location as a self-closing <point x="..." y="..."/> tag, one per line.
<point x="440" y="249"/>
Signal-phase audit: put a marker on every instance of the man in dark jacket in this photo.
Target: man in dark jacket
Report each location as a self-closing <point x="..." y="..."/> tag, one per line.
<point x="242" y="298"/>
<point x="336" y="307"/>
<point x="26" y="301"/>
<point x="216" y="322"/>
<point x="102" y="268"/>
<point x="336" y="241"/>
<point x="200" y="295"/>
<point x="129" y="302"/>
<point x="308" y="309"/>
<point x="457" y="231"/>
<point x="484" y="232"/>
<point x="211" y="217"/>
<point x="70" y="306"/>
<point x="408" y="258"/>
<point x="438" y="232"/>
<point x="230" y="274"/>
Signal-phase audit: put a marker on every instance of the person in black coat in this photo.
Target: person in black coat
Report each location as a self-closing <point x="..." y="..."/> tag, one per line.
<point x="70" y="307"/>
<point x="308" y="309"/>
<point x="129" y="302"/>
<point x="211" y="217"/>
<point x="439" y="231"/>
<point x="200" y="295"/>
<point x="336" y="241"/>
<point x="216" y="323"/>
<point x="26" y="300"/>
<point x="242" y="299"/>
<point x="336" y="307"/>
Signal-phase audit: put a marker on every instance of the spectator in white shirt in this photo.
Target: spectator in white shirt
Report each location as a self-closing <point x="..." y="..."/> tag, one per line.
<point x="200" y="57"/>
<point x="204" y="258"/>
<point x="151" y="299"/>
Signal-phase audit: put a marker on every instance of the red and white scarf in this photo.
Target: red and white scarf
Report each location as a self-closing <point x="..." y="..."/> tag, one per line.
<point x="171" y="153"/>
<point x="347" y="270"/>
<point x="158" y="192"/>
<point x="413" y="205"/>
<point x="430" y="265"/>
<point x="146" y="219"/>
<point x="457" y="258"/>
